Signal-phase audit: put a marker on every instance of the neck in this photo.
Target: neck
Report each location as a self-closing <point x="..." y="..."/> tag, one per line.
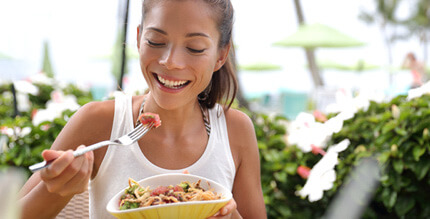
<point x="177" y="122"/>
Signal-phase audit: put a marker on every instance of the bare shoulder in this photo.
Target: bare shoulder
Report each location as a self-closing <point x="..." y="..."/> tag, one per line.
<point x="97" y="110"/>
<point x="91" y="123"/>
<point x="238" y="122"/>
<point x="241" y="134"/>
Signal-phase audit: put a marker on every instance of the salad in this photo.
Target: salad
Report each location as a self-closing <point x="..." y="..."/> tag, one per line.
<point x="136" y="196"/>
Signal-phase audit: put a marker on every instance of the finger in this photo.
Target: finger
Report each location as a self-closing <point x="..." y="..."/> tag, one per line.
<point x="57" y="183"/>
<point x="79" y="182"/>
<point x="58" y="165"/>
<point x="186" y="172"/>
<point x="228" y="208"/>
<point x="90" y="156"/>
<point x="51" y="154"/>
<point x="60" y="184"/>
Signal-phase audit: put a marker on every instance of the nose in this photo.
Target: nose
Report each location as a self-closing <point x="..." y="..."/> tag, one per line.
<point x="172" y="59"/>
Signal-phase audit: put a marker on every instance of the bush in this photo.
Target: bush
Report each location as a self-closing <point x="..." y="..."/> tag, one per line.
<point x="22" y="140"/>
<point x="279" y="177"/>
<point x="395" y="132"/>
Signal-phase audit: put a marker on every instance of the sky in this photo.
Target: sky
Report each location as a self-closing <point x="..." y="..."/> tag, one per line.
<point x="81" y="34"/>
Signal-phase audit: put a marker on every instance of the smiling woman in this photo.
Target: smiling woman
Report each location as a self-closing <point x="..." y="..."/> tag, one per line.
<point x="184" y="52"/>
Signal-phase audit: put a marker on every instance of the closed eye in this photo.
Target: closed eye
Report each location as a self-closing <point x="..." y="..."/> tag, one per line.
<point x="154" y="44"/>
<point x="195" y="50"/>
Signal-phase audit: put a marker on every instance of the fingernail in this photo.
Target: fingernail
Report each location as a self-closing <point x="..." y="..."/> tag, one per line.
<point x="224" y="211"/>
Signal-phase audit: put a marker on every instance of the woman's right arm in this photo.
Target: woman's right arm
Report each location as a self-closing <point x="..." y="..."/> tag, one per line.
<point x="47" y="191"/>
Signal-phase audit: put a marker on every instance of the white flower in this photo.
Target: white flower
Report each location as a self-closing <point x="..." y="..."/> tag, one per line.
<point x="345" y="102"/>
<point x="55" y="107"/>
<point x="323" y="175"/>
<point x="25" y="87"/>
<point x="41" y="78"/>
<point x="305" y="132"/>
<point x="16" y="131"/>
<point x="25" y="131"/>
<point x="335" y="124"/>
<point x="23" y="102"/>
<point x="6" y="131"/>
<point x="419" y="91"/>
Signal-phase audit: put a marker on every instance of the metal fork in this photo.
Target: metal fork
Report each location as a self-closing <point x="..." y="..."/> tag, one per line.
<point x="127" y="139"/>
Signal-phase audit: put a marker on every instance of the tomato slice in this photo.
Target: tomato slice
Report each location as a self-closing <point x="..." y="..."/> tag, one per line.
<point x="178" y="188"/>
<point x="147" y="118"/>
<point x="159" y="190"/>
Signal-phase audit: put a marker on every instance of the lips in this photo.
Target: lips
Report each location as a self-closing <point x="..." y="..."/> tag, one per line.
<point x="171" y="84"/>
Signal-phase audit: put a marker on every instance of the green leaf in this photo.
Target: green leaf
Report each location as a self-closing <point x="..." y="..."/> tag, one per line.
<point x="291" y="168"/>
<point x="398" y="166"/>
<point x="401" y="131"/>
<point x="389" y="197"/>
<point x="392" y="200"/>
<point x="418" y="151"/>
<point x="281" y="176"/>
<point x="389" y="126"/>
<point x="422" y="168"/>
<point x="383" y="157"/>
<point x="403" y="205"/>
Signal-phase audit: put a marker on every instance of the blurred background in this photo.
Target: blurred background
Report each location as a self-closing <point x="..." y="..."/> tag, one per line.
<point x="80" y="42"/>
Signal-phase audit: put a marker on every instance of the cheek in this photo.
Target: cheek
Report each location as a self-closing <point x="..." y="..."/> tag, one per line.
<point x="146" y="57"/>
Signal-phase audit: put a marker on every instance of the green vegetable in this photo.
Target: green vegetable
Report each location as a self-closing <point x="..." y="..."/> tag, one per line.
<point x="185" y="186"/>
<point x="129" y="205"/>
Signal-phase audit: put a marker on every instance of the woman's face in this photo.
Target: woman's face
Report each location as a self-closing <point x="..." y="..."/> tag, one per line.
<point x="178" y="47"/>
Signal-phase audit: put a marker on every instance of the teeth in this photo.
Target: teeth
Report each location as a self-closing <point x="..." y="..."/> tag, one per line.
<point x="171" y="84"/>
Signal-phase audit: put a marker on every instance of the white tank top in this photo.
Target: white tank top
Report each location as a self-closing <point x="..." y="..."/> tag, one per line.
<point x="123" y="162"/>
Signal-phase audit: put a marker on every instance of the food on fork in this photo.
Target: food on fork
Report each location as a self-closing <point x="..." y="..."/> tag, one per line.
<point x="147" y="118"/>
<point x="135" y="196"/>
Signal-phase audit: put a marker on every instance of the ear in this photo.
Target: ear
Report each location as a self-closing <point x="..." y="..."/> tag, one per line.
<point x="138" y="36"/>
<point x="222" y="57"/>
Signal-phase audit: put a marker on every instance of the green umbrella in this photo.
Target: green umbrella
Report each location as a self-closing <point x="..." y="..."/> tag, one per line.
<point x="360" y="65"/>
<point x="318" y="35"/>
<point x="260" y="66"/>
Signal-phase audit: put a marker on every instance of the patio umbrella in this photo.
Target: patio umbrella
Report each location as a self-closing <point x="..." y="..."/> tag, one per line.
<point x="359" y="66"/>
<point x="260" y="66"/>
<point x="312" y="36"/>
<point x="318" y="36"/>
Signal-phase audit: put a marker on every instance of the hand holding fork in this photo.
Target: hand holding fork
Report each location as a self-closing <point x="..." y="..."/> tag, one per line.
<point x="124" y="140"/>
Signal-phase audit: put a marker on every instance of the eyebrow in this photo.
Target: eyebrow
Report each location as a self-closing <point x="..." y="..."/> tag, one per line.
<point x="188" y="35"/>
<point x="157" y="30"/>
<point x="196" y="34"/>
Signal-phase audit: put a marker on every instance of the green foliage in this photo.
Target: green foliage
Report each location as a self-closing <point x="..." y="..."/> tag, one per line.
<point x="396" y="132"/>
<point x="21" y="149"/>
<point x="279" y="176"/>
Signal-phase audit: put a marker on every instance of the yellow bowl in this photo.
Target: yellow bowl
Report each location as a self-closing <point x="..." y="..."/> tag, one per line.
<point x="195" y="209"/>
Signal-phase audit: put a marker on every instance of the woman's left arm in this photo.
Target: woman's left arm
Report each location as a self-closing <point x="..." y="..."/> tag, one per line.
<point x="247" y="191"/>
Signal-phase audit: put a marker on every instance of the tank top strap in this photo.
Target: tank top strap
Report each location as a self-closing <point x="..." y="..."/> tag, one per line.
<point x="123" y="117"/>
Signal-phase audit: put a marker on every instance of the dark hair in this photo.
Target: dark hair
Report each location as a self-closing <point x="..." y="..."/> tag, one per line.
<point x="223" y="85"/>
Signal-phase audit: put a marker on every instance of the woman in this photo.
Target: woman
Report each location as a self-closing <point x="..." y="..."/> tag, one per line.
<point x="184" y="55"/>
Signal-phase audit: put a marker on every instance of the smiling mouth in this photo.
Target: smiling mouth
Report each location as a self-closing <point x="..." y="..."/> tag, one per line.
<point x="171" y="84"/>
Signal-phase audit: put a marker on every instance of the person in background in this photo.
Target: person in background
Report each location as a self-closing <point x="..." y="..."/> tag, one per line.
<point x="184" y="48"/>
<point x="417" y="69"/>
